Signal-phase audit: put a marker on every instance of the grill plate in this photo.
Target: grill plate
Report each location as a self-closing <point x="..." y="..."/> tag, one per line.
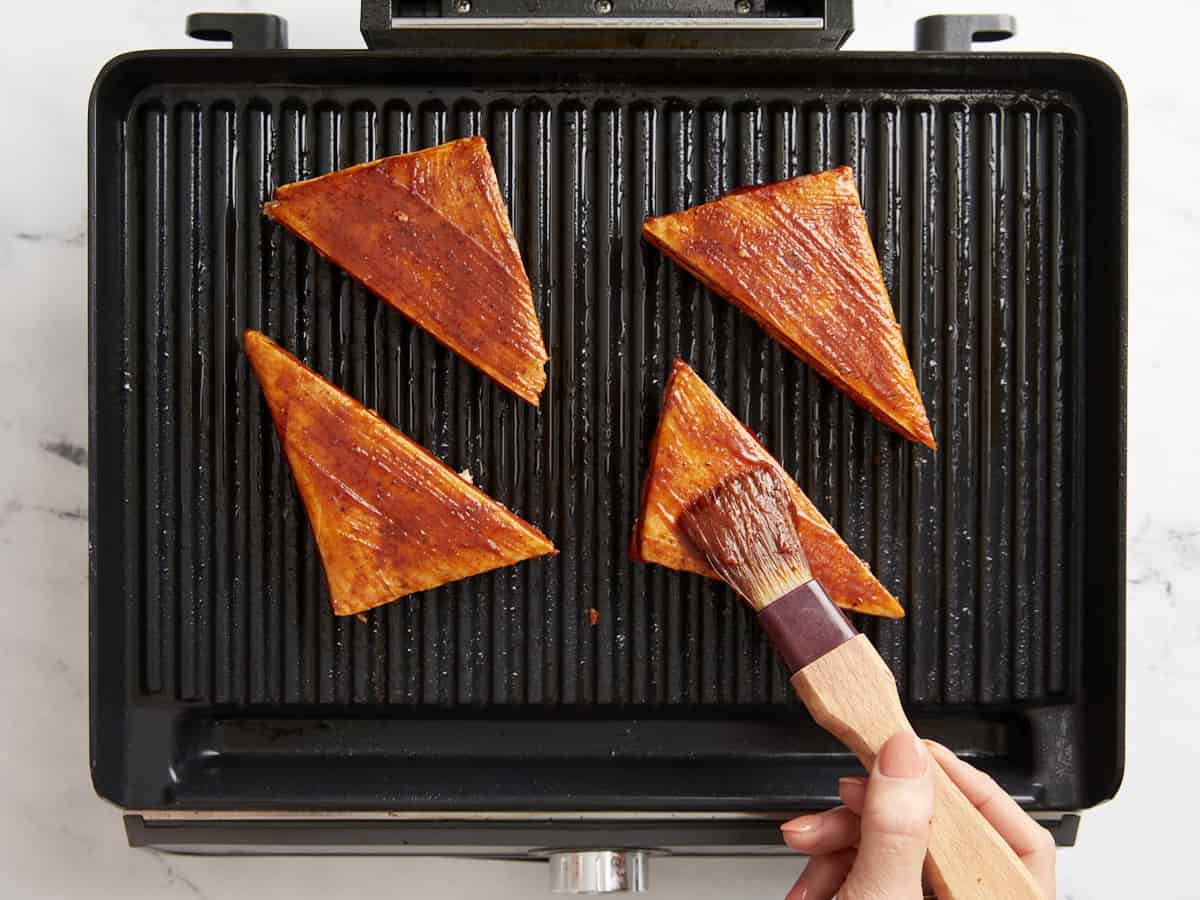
<point x="216" y="658"/>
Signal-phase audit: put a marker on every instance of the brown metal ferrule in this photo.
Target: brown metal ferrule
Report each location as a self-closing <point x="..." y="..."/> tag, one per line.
<point x="804" y="625"/>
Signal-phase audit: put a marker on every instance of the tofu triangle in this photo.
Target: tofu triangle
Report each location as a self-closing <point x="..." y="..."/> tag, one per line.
<point x="428" y="233"/>
<point x="796" y="256"/>
<point x="698" y="444"/>
<point x="389" y="518"/>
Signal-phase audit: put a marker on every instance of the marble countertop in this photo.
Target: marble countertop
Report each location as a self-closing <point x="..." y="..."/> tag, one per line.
<point x="58" y="840"/>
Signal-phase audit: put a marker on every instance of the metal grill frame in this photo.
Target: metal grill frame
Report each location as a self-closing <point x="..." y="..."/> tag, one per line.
<point x="151" y="751"/>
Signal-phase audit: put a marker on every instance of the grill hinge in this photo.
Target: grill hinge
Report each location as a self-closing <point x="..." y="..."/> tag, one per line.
<point x="606" y="24"/>
<point x="246" y="31"/>
<point x="956" y="33"/>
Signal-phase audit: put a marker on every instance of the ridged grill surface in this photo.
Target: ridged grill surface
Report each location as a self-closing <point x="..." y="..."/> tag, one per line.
<point x="974" y="207"/>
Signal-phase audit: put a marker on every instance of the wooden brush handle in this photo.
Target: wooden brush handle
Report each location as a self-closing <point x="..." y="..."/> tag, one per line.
<point x="851" y="693"/>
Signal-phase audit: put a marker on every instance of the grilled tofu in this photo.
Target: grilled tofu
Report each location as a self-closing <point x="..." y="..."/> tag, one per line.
<point x="388" y="517"/>
<point x="796" y="256"/>
<point x="698" y="444"/>
<point x="428" y="232"/>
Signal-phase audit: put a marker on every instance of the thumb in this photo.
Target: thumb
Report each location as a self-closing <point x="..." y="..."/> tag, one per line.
<point x="895" y="824"/>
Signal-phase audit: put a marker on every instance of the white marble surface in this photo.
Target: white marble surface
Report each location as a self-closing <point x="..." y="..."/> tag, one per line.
<point x="58" y="840"/>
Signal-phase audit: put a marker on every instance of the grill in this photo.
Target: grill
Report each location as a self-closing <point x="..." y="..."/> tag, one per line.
<point x="994" y="186"/>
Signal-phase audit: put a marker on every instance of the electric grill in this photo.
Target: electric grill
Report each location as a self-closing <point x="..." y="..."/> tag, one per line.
<point x="232" y="712"/>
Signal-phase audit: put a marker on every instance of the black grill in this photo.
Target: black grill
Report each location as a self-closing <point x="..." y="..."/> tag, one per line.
<point x="987" y="206"/>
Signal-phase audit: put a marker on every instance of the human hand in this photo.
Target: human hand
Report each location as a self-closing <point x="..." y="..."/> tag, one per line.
<point x="873" y="847"/>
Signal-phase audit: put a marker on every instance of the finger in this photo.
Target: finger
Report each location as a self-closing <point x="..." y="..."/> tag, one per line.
<point x="895" y="824"/>
<point x="853" y="793"/>
<point x="1029" y="840"/>
<point x="822" y="877"/>
<point x="1023" y="834"/>
<point x="825" y="832"/>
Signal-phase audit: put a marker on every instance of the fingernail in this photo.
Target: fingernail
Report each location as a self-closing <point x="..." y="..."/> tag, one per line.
<point x="851" y="787"/>
<point x="805" y="825"/>
<point x="799" y="833"/>
<point x="852" y="791"/>
<point x="903" y="757"/>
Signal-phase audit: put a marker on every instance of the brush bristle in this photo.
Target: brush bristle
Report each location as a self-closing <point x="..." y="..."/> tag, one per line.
<point x="746" y="529"/>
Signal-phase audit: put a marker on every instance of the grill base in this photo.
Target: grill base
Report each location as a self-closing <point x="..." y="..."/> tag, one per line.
<point x="532" y="837"/>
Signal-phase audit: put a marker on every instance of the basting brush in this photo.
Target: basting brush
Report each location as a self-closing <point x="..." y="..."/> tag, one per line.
<point x="745" y="527"/>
